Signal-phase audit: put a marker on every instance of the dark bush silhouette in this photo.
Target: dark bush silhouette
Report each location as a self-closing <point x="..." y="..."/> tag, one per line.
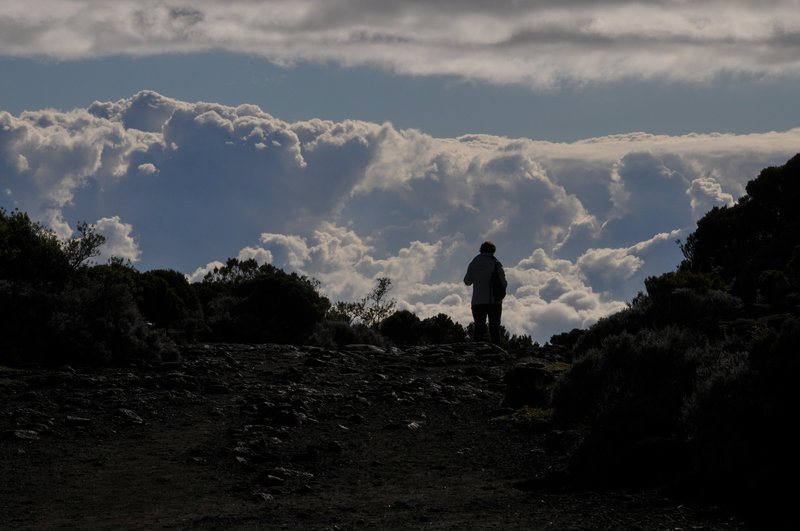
<point x="100" y="323"/>
<point x="442" y="329"/>
<point x="630" y="389"/>
<point x="245" y="302"/>
<point x="167" y="300"/>
<point x="757" y="234"/>
<point x="30" y="254"/>
<point x="54" y="309"/>
<point x="567" y="339"/>
<point x="403" y="328"/>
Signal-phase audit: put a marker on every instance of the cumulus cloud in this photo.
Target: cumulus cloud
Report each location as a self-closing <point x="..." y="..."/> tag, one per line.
<point x="198" y="274"/>
<point x="539" y="44"/>
<point x="578" y="225"/>
<point x="705" y="193"/>
<point x="148" y="168"/>
<point x="119" y="243"/>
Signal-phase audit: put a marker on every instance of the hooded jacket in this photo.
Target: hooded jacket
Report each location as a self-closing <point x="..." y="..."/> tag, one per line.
<point x="479" y="273"/>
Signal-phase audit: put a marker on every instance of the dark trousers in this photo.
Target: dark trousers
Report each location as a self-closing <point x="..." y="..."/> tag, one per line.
<point x="479" y="314"/>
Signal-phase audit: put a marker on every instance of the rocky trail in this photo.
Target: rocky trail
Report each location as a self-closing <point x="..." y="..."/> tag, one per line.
<point x="282" y="437"/>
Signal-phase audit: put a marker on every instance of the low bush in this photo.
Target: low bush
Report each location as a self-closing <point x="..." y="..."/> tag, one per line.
<point x="336" y="334"/>
<point x="630" y="391"/>
<point x="245" y="302"/>
<point x="402" y="328"/>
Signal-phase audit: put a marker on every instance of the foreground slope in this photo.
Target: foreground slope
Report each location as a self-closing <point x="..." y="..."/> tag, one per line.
<point x="270" y="436"/>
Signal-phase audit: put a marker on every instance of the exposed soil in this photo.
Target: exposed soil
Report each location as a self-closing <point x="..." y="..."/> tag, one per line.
<point x="278" y="437"/>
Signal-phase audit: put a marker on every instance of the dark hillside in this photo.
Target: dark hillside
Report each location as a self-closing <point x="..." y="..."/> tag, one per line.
<point x="692" y="386"/>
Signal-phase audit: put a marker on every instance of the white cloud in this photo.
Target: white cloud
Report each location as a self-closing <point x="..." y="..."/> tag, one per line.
<point x="608" y="264"/>
<point x="296" y="253"/>
<point x="705" y="193"/>
<point x="119" y="241"/>
<point x="148" y="168"/>
<point x="261" y="256"/>
<point x="578" y="225"/>
<point x="539" y="44"/>
<point x="198" y="274"/>
<point x="55" y="154"/>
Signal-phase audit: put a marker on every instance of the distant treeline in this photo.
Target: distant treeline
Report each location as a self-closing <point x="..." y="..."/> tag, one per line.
<point x="57" y="307"/>
<point x="694" y="385"/>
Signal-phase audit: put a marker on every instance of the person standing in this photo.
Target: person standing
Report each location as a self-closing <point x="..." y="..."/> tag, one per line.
<point x="485" y="302"/>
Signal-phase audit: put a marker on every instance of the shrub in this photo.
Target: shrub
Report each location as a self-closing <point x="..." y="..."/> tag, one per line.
<point x="371" y="310"/>
<point x="280" y="308"/>
<point x="24" y="312"/>
<point x="630" y="320"/>
<point x="55" y="310"/>
<point x="567" y="339"/>
<point x="98" y="324"/>
<point x="772" y="286"/>
<point x="630" y="389"/>
<point x="30" y="253"/>
<point x="738" y="419"/>
<point x="402" y="328"/>
<point x="442" y="329"/>
<point x="246" y="302"/>
<point x="167" y="300"/>
<point x="720" y="418"/>
<point x="336" y="334"/>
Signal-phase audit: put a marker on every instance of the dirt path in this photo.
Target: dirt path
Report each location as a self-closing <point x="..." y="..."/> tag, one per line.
<point x="275" y="437"/>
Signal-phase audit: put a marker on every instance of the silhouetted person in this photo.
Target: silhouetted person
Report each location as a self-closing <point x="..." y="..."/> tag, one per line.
<point x="484" y="302"/>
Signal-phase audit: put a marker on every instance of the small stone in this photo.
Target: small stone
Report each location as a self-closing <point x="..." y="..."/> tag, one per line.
<point x="22" y="435"/>
<point x="77" y="421"/>
<point x="357" y="419"/>
<point x="290" y="472"/>
<point x="217" y="389"/>
<point x="263" y="496"/>
<point x="130" y="416"/>
<point x="334" y="446"/>
<point x="288" y="418"/>
<point x="269" y="480"/>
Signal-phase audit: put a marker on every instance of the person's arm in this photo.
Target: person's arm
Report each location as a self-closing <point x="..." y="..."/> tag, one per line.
<point x="468" y="276"/>
<point x="502" y="274"/>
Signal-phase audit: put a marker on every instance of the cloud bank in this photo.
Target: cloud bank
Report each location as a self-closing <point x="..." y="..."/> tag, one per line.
<point x="537" y="44"/>
<point x="182" y="185"/>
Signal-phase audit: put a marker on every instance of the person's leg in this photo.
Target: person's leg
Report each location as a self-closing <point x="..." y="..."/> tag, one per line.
<point x="479" y="313"/>
<point x="494" y="313"/>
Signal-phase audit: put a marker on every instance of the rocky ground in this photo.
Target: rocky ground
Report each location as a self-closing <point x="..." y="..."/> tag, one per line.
<point x="279" y="437"/>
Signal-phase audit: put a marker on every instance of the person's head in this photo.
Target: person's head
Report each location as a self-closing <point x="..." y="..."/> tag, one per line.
<point x="488" y="247"/>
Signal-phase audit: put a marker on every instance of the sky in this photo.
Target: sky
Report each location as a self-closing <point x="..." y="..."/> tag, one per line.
<point x="349" y="139"/>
